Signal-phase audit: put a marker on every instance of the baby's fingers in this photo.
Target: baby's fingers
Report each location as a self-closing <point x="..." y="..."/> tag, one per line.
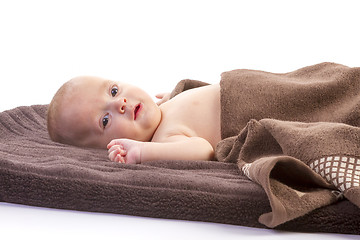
<point x="116" y="147"/>
<point x="114" y="142"/>
<point x="120" y="159"/>
<point x="160" y="95"/>
<point x="117" y="154"/>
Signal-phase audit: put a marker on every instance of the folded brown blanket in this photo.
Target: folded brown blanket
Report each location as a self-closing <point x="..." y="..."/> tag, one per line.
<point x="36" y="171"/>
<point x="293" y="188"/>
<point x="301" y="166"/>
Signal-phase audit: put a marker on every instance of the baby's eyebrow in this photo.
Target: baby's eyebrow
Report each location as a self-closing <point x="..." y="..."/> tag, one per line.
<point x="107" y="84"/>
<point x="98" y="128"/>
<point x="104" y="89"/>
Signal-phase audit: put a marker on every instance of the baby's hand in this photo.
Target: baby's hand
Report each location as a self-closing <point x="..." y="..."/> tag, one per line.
<point x="125" y="151"/>
<point x="163" y="98"/>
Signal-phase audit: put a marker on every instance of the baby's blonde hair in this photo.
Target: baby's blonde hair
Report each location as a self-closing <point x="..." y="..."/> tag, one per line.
<point x="54" y="114"/>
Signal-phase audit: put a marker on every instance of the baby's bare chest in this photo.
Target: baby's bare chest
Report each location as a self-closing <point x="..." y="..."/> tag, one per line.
<point x="195" y="112"/>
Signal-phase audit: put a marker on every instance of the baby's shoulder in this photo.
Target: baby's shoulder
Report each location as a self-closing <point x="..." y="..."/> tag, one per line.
<point x="200" y="92"/>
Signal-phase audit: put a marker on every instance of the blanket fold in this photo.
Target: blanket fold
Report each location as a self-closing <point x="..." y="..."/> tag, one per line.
<point x="296" y="134"/>
<point x="328" y="154"/>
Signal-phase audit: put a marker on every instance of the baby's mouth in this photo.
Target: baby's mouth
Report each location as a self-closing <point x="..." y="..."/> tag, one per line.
<point x="137" y="110"/>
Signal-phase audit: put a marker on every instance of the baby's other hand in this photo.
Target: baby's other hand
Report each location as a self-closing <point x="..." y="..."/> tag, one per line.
<point x="163" y="98"/>
<point x="125" y="151"/>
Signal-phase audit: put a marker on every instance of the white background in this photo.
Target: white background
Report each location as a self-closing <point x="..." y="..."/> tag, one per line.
<point x="154" y="44"/>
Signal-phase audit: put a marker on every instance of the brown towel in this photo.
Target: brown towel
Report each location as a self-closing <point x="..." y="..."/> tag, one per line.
<point x="277" y="154"/>
<point x="293" y="188"/>
<point x="325" y="92"/>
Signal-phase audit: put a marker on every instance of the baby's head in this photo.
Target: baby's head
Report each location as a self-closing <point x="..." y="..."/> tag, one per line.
<point x="91" y="111"/>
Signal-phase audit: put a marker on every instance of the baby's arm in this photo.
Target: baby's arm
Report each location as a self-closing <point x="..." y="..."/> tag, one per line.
<point x="177" y="148"/>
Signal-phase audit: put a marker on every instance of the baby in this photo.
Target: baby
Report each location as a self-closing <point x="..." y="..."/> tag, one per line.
<point x="95" y="112"/>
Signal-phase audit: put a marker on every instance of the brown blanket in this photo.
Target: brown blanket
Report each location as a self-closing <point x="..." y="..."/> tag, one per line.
<point x="36" y="171"/>
<point x="301" y="166"/>
<point x="281" y="165"/>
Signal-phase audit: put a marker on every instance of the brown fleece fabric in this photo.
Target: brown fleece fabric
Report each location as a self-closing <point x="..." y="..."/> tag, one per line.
<point x="36" y="171"/>
<point x="299" y="164"/>
<point x="317" y="163"/>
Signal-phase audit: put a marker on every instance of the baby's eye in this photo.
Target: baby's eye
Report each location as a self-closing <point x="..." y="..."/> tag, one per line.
<point x="114" y="91"/>
<point x="105" y="120"/>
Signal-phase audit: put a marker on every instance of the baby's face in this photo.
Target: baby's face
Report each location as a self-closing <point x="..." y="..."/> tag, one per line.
<point x="99" y="110"/>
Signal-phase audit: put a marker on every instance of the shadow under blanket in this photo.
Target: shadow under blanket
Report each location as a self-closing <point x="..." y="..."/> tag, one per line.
<point x="36" y="171"/>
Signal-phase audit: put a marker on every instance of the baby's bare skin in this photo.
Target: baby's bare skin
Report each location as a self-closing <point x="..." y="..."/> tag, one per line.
<point x="189" y="130"/>
<point x="193" y="113"/>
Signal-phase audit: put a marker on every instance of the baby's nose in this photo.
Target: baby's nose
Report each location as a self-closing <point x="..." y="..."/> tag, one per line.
<point x="122" y="106"/>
